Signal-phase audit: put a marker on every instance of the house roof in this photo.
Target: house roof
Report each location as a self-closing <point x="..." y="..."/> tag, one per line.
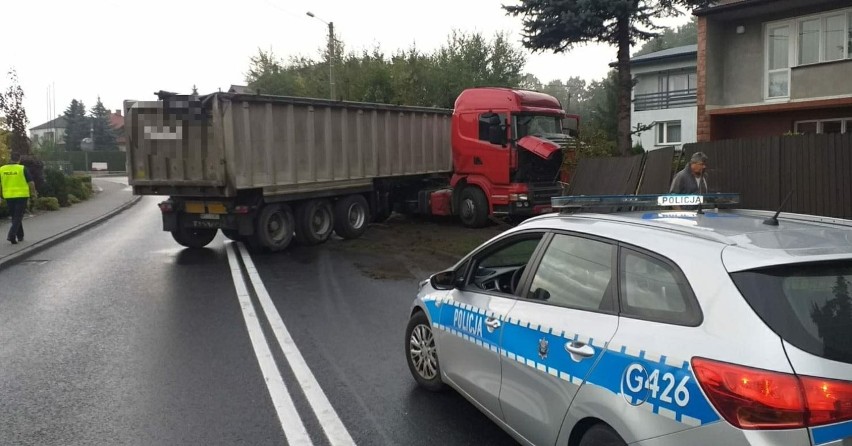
<point x="116" y="121"/>
<point x="241" y="89"/>
<point x="728" y="5"/>
<point x="58" y="123"/>
<point x="671" y="53"/>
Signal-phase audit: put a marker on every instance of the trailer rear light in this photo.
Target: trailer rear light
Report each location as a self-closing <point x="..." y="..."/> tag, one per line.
<point x="828" y="401"/>
<point x="166" y="207"/>
<point x="760" y="399"/>
<point x="242" y="209"/>
<point x="751" y="398"/>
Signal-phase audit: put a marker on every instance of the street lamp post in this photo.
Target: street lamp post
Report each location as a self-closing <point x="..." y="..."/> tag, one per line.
<point x="330" y="52"/>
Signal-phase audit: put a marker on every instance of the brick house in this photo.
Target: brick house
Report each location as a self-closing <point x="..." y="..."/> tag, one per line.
<point x="770" y="67"/>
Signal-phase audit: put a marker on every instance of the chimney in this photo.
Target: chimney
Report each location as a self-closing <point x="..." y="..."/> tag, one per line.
<point x="118" y="111"/>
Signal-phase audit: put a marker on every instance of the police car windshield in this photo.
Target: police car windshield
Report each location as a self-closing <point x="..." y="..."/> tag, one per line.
<point x="815" y="313"/>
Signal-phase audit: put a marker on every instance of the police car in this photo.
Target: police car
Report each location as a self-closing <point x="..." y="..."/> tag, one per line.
<point x="658" y="326"/>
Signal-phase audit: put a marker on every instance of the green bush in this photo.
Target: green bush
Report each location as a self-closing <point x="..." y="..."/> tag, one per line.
<point x="55" y="185"/>
<point x="76" y="187"/>
<point x="86" y="179"/>
<point x="47" y="203"/>
<point x="73" y="199"/>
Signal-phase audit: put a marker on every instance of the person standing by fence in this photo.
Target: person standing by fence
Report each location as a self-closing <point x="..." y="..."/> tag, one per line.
<point x="692" y="179"/>
<point x="16" y="187"/>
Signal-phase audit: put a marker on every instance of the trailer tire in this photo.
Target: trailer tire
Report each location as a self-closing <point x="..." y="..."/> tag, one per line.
<point x="274" y="227"/>
<point x="314" y="222"/>
<point x="473" y="207"/>
<point x="193" y="237"/>
<point x="231" y="234"/>
<point x="351" y="216"/>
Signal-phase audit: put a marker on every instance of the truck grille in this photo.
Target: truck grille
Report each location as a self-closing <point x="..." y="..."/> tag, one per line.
<point x="541" y="193"/>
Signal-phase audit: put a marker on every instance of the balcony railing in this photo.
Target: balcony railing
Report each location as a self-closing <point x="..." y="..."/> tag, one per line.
<point x="664" y="99"/>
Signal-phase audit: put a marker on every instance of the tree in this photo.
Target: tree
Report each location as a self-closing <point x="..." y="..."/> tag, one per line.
<point x="4" y="142"/>
<point x="671" y="38"/>
<point x="561" y="25"/>
<point x="103" y="134"/>
<point x="78" y="126"/>
<point x="12" y="106"/>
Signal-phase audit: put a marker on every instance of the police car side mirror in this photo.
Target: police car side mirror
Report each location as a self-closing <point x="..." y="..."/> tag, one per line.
<point x="445" y="280"/>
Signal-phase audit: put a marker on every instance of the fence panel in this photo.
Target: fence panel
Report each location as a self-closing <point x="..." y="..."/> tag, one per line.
<point x="817" y="169"/>
<point x="656" y="178"/>
<point x="606" y="176"/>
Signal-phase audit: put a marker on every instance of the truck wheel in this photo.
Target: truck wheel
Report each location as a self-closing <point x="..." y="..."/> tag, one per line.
<point x="231" y="234"/>
<point x="275" y="226"/>
<point x="473" y="207"/>
<point x="314" y="222"/>
<point x="351" y="215"/>
<point x="193" y="237"/>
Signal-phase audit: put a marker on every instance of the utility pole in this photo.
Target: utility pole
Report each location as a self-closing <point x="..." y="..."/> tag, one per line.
<point x="330" y="53"/>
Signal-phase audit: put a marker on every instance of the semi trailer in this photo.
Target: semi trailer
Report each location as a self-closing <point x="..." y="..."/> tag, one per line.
<point x="267" y="169"/>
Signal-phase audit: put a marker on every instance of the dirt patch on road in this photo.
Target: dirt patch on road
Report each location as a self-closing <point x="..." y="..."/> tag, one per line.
<point x="408" y="247"/>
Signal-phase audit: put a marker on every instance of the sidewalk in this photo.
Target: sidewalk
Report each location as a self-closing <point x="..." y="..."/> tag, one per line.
<point x="48" y="228"/>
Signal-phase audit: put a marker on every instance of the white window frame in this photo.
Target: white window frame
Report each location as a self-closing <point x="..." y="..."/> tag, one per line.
<point x="794" y="26"/>
<point x="791" y="54"/>
<point x="845" y="124"/>
<point x="662" y="129"/>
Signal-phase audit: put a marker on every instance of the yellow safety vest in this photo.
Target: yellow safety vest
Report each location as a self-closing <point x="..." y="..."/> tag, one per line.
<point x="13" y="182"/>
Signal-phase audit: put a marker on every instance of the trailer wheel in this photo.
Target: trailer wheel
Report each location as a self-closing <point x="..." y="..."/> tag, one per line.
<point x="275" y="226"/>
<point x="473" y="207"/>
<point x="193" y="237"/>
<point x="231" y="234"/>
<point x="314" y="222"/>
<point x="351" y="215"/>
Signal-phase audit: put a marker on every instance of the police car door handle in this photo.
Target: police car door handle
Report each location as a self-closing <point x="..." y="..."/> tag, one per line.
<point x="493" y="323"/>
<point x="579" y="350"/>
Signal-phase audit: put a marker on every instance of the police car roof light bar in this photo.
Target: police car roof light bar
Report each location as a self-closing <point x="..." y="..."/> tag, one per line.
<point x="645" y="201"/>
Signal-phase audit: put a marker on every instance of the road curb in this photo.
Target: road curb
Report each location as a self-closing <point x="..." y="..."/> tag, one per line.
<point x="64" y="235"/>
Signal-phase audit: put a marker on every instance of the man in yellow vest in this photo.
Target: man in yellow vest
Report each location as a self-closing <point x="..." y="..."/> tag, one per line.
<point x="16" y="187"/>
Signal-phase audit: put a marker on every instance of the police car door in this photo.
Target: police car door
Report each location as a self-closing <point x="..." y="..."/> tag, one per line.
<point x="557" y="333"/>
<point x="472" y="317"/>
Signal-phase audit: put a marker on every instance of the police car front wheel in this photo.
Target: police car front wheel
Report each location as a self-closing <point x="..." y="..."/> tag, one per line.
<point x="601" y="435"/>
<point x="421" y="353"/>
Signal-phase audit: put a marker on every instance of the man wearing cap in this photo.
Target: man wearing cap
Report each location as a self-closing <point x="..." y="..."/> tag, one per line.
<point x="16" y="187"/>
<point x="692" y="179"/>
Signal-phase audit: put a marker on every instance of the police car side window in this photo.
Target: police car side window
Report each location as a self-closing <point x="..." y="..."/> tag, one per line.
<point x="656" y="290"/>
<point x="499" y="269"/>
<point x="575" y="272"/>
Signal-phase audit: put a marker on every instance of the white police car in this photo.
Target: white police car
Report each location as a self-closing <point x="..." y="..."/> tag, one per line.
<point x="649" y="327"/>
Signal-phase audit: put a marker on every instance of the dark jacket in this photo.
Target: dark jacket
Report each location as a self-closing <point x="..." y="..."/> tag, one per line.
<point x="685" y="182"/>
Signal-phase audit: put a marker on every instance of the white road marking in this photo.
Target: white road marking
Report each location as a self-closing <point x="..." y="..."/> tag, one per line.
<point x="328" y="418"/>
<point x="288" y="416"/>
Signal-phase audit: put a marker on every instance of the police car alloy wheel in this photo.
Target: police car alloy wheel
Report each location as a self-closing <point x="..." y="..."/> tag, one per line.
<point x="422" y="353"/>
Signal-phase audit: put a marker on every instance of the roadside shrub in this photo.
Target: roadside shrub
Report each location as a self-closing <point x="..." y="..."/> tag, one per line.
<point x="73" y="199"/>
<point x="84" y="178"/>
<point x="55" y="185"/>
<point x="47" y="203"/>
<point x="75" y="186"/>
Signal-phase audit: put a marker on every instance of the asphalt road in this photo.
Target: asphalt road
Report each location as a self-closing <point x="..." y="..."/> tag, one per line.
<point x="120" y="336"/>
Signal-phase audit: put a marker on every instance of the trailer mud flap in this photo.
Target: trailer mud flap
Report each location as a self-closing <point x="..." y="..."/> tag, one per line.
<point x="170" y="222"/>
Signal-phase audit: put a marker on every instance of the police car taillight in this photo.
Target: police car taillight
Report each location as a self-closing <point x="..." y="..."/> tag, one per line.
<point x="750" y="398"/>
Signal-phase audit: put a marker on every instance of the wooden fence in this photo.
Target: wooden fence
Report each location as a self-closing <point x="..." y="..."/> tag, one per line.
<point x="817" y="169"/>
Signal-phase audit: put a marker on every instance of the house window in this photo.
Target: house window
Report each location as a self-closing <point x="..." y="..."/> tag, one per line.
<point x="809" y="32"/>
<point x="825" y="126"/>
<point x="835" y="37"/>
<point x="668" y="133"/>
<point x="778" y="75"/>
<point x="677" y="82"/>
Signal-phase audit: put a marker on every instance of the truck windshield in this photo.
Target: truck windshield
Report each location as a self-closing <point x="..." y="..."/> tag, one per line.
<point x="808" y="305"/>
<point x="536" y="125"/>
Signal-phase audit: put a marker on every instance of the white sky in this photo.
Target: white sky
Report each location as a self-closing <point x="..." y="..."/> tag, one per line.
<point x="130" y="49"/>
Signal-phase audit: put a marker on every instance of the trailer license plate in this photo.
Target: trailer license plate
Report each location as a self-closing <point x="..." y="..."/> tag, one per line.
<point x="209" y="216"/>
<point x="209" y="224"/>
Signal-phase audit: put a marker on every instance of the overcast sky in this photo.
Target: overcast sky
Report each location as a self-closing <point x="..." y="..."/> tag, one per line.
<point x="127" y="50"/>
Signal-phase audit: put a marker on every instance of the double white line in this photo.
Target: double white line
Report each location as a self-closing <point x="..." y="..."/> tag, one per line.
<point x="291" y="422"/>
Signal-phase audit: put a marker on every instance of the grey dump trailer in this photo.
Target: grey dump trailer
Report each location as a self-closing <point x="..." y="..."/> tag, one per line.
<point x="265" y="169"/>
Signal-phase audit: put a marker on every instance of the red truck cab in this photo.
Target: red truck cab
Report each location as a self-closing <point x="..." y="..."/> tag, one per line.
<point x="508" y="147"/>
